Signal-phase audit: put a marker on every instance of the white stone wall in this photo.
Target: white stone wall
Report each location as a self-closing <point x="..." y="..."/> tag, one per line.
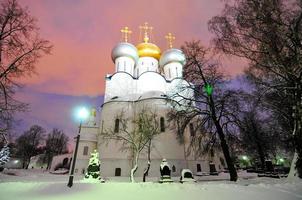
<point x="125" y="87"/>
<point x="119" y="85"/>
<point x="108" y="167"/>
<point x="151" y="81"/>
<point x="164" y="145"/>
<point x="88" y="139"/>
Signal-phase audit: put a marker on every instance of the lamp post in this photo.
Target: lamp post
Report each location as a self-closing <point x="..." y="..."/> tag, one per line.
<point x="82" y="114"/>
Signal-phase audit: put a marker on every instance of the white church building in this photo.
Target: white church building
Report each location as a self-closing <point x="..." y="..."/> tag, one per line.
<point x="144" y="77"/>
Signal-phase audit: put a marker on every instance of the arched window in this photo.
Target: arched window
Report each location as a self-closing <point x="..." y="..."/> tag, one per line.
<point x="117" y="125"/>
<point x="85" y="151"/>
<point x="162" y="124"/>
<point x="212" y="152"/>
<point x="212" y="168"/>
<point x="170" y="73"/>
<point x="173" y="168"/>
<point x="198" y="168"/>
<point x="191" y="130"/>
<point x="222" y="161"/>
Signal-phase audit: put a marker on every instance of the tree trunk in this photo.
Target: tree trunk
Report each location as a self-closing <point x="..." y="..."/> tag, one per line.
<point x="146" y="171"/>
<point x="223" y="143"/>
<point x="293" y="172"/>
<point x="27" y="163"/>
<point x="298" y="142"/>
<point x="149" y="162"/>
<point x="226" y="153"/>
<point x="49" y="160"/>
<point x="296" y="165"/>
<point x="261" y="155"/>
<point x="298" y="150"/>
<point x="23" y="164"/>
<point x="260" y="150"/>
<point x="133" y="170"/>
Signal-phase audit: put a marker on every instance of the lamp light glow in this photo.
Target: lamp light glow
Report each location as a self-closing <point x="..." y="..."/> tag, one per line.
<point x="208" y="89"/>
<point x="83" y="113"/>
<point x="245" y="158"/>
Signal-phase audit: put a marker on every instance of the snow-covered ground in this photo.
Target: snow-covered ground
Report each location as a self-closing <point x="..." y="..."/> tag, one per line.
<point x="36" y="184"/>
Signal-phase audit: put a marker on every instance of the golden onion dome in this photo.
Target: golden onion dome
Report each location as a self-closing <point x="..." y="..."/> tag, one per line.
<point x="146" y="49"/>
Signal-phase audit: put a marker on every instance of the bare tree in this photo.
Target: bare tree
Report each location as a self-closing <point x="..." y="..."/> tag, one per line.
<point x="148" y="125"/>
<point x="254" y="137"/>
<point x="55" y="144"/>
<point x="211" y="104"/>
<point x="20" y="49"/>
<point x="268" y="33"/>
<point x="28" y="143"/>
<point x="261" y="134"/>
<point x="136" y="139"/>
<point x="202" y="140"/>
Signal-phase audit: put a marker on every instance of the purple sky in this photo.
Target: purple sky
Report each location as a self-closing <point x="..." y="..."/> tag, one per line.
<point x="83" y="33"/>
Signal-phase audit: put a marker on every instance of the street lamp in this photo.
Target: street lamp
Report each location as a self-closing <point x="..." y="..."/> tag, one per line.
<point x="281" y="160"/>
<point x="245" y="158"/>
<point x="208" y="89"/>
<point x="82" y="114"/>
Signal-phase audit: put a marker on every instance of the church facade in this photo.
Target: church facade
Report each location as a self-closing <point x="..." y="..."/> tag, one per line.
<point x="144" y="77"/>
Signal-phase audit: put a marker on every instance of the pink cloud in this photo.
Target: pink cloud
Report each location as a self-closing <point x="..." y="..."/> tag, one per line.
<point x="84" y="32"/>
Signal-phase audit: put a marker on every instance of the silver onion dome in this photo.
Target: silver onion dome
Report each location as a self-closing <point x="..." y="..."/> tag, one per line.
<point x="172" y="55"/>
<point x="124" y="49"/>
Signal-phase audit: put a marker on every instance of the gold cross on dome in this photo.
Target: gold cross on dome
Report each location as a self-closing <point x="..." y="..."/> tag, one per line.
<point x="126" y="33"/>
<point x="170" y="38"/>
<point x="146" y="28"/>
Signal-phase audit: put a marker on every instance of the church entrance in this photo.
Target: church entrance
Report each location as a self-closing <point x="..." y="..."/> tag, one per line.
<point x="166" y="171"/>
<point x="118" y="171"/>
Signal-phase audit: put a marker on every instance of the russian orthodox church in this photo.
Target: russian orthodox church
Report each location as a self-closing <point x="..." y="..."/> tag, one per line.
<point x="143" y="77"/>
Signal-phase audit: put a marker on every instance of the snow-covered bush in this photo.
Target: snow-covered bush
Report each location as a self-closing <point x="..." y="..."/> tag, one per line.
<point x="4" y="155"/>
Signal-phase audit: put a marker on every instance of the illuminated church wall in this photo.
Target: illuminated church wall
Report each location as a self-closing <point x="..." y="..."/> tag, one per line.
<point x="144" y="77"/>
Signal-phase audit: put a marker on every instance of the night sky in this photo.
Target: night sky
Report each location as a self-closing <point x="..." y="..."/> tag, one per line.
<point x="83" y="33"/>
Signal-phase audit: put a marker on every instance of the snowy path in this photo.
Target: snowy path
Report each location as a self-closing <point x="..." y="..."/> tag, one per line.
<point x="146" y="191"/>
<point x="53" y="187"/>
